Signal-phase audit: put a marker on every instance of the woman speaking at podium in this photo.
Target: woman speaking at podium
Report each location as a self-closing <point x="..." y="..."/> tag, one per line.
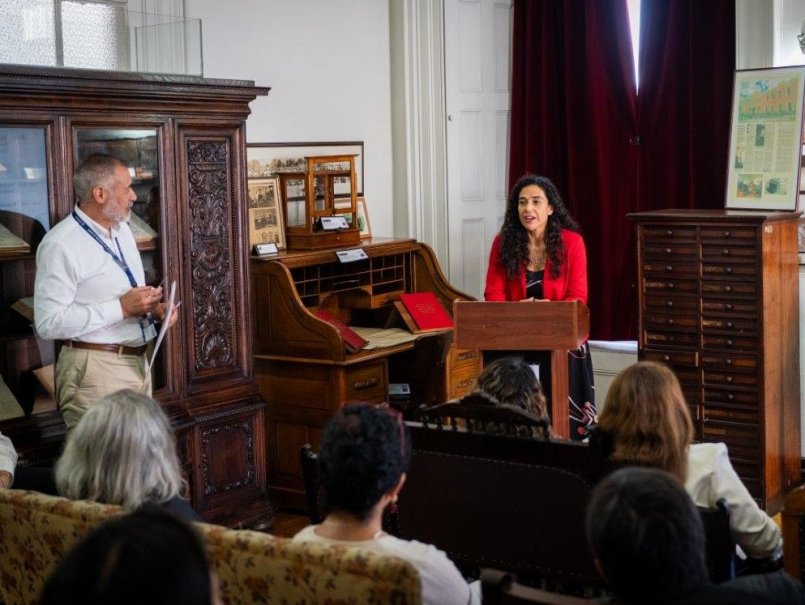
<point x="539" y="255"/>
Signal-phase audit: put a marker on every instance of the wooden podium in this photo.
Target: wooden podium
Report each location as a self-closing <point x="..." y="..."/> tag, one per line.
<point x="527" y="326"/>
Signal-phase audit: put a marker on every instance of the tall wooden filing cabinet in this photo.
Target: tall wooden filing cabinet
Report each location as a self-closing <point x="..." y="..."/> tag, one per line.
<point x="719" y="303"/>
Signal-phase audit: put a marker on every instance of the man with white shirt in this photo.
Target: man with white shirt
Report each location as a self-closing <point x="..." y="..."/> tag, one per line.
<point x="90" y="292"/>
<point x="8" y="461"/>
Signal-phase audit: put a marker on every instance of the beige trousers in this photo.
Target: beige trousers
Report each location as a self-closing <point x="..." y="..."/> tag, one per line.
<point x="83" y="377"/>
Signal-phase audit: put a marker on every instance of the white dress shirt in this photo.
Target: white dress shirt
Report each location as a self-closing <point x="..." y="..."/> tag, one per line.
<point x="78" y="284"/>
<point x="8" y="455"/>
<point x="710" y="477"/>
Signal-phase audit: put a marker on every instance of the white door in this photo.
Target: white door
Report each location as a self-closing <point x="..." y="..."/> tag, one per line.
<point x="478" y="92"/>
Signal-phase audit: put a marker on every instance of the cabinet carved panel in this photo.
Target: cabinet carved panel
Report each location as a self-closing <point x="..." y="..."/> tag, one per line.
<point x="210" y="247"/>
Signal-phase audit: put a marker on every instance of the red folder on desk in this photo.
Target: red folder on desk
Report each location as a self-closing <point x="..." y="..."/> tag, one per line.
<point x="426" y="311"/>
<point x="352" y="340"/>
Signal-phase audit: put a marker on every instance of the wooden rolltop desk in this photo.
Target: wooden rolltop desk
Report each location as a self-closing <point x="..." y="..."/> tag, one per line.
<point x="301" y="365"/>
<point x="719" y="304"/>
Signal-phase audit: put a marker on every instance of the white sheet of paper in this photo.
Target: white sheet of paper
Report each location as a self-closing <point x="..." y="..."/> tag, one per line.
<point x="169" y="309"/>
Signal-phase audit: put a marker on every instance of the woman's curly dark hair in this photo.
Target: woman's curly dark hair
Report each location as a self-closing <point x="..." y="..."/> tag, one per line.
<point x="364" y="450"/>
<point x="514" y="237"/>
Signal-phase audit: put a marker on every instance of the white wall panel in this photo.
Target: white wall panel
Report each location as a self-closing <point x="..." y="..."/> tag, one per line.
<point x="503" y="16"/>
<point x="501" y="154"/>
<point x="469" y="36"/>
<point x="472" y="177"/>
<point x="473" y="258"/>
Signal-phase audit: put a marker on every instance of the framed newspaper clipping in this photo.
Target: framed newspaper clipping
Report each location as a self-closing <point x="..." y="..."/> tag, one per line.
<point x="766" y="139"/>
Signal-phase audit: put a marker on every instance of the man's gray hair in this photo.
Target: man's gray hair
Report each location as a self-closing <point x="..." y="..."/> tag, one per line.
<point x="95" y="170"/>
<point x="121" y="452"/>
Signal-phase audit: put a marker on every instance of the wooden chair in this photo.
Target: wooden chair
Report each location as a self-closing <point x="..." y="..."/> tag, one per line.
<point x="310" y="477"/>
<point x="480" y="413"/>
<point x="501" y="588"/>
<point x="719" y="542"/>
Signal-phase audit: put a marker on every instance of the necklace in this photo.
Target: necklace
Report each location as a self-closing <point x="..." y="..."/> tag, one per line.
<point x="536" y="258"/>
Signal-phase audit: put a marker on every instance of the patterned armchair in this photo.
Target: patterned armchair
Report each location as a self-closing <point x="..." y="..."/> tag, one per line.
<point x="36" y="530"/>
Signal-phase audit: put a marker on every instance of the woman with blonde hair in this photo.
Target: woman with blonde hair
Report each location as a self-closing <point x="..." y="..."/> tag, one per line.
<point x="646" y="422"/>
<point x="123" y="452"/>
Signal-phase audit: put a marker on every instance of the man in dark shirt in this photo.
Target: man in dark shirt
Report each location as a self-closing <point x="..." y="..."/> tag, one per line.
<point x="648" y="542"/>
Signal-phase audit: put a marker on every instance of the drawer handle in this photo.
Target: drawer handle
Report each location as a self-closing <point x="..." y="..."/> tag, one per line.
<point x="669" y="232"/>
<point x="729" y="307"/>
<point x="466" y="355"/>
<point x="729" y="324"/>
<point x="725" y="252"/>
<point x="728" y="270"/>
<point x="730" y="396"/>
<point x="728" y="289"/>
<point x="730" y="342"/>
<point x="365" y="384"/>
<point x="670" y="285"/>
<point x="668" y="251"/>
<point x="728" y="234"/>
<point x="729" y="378"/>
<point x="729" y="362"/>
<point x="669" y="268"/>
<point x="669" y="303"/>
<point x="670" y="322"/>
<point x="666" y="358"/>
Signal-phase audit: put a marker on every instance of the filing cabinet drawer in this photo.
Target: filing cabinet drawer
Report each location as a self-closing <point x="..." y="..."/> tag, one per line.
<point x="670" y="267"/>
<point x="668" y="233"/>
<point x="366" y="382"/>
<point x="729" y="288"/>
<point x="663" y="251"/>
<point x="725" y="252"/>
<point x="670" y="285"/>
<point x="682" y="358"/>
<point x="744" y="235"/>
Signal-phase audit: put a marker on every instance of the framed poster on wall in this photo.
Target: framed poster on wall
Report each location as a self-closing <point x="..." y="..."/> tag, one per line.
<point x="766" y="139"/>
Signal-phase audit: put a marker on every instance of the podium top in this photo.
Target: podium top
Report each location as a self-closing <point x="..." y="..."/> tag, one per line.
<point x="520" y="326"/>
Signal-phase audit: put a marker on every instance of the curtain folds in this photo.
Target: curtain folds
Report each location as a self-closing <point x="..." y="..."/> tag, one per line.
<point x="577" y="118"/>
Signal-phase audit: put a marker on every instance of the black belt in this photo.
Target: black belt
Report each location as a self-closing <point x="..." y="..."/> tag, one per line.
<point x="119" y="349"/>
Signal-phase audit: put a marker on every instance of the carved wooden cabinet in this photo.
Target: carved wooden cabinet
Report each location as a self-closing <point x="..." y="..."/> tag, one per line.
<point x="719" y="303"/>
<point x="183" y="139"/>
<point x="301" y="365"/>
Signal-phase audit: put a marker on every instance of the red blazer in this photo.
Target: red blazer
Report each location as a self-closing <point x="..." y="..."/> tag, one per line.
<point x="570" y="285"/>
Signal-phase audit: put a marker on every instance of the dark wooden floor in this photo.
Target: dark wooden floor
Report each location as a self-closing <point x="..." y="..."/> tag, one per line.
<point x="287" y="524"/>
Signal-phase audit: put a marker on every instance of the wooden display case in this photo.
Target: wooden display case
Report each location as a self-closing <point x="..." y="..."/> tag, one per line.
<point x="326" y="187"/>
<point x="184" y="140"/>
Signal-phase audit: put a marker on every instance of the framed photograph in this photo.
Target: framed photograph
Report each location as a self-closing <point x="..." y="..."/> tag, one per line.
<point x="266" y="159"/>
<point x="765" y="153"/>
<point x="363" y="219"/>
<point x="265" y="213"/>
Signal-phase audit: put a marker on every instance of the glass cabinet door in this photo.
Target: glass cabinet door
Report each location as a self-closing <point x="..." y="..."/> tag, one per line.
<point x="138" y="150"/>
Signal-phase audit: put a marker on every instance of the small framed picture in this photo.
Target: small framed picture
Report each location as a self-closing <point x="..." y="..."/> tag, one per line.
<point x="265" y="214"/>
<point x="363" y="219"/>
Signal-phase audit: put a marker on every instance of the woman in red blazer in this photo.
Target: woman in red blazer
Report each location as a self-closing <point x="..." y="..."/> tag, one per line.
<point x="539" y="255"/>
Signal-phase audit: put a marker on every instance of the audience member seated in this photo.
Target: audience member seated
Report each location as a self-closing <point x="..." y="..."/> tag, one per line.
<point x="8" y="461"/>
<point x="646" y="422"/>
<point x="648" y="542"/>
<point x="149" y="556"/>
<point x="364" y="454"/>
<point x="123" y="452"/>
<point x="511" y="381"/>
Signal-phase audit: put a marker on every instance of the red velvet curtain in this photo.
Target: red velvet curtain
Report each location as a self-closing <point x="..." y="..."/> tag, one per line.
<point x="573" y="120"/>
<point x="687" y="65"/>
<point x="577" y="119"/>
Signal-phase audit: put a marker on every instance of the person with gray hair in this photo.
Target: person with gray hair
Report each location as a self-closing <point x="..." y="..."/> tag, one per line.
<point x="90" y="292"/>
<point x="123" y="452"/>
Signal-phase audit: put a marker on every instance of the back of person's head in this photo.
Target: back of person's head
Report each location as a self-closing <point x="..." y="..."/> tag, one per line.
<point x="512" y="381"/>
<point x="148" y="556"/>
<point x="364" y="451"/>
<point x="122" y="451"/>
<point x="96" y="169"/>
<point x="647" y="419"/>
<point x="646" y="535"/>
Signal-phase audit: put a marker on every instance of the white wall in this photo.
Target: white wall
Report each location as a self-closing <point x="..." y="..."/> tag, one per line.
<point x="327" y="63"/>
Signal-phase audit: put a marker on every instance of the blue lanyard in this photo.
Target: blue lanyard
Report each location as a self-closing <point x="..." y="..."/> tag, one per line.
<point x="121" y="262"/>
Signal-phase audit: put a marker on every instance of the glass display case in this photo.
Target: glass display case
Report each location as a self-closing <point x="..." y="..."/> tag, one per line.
<point x="313" y="195"/>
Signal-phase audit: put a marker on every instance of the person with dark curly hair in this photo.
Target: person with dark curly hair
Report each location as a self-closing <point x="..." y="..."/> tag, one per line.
<point x="540" y="255"/>
<point x="363" y="458"/>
